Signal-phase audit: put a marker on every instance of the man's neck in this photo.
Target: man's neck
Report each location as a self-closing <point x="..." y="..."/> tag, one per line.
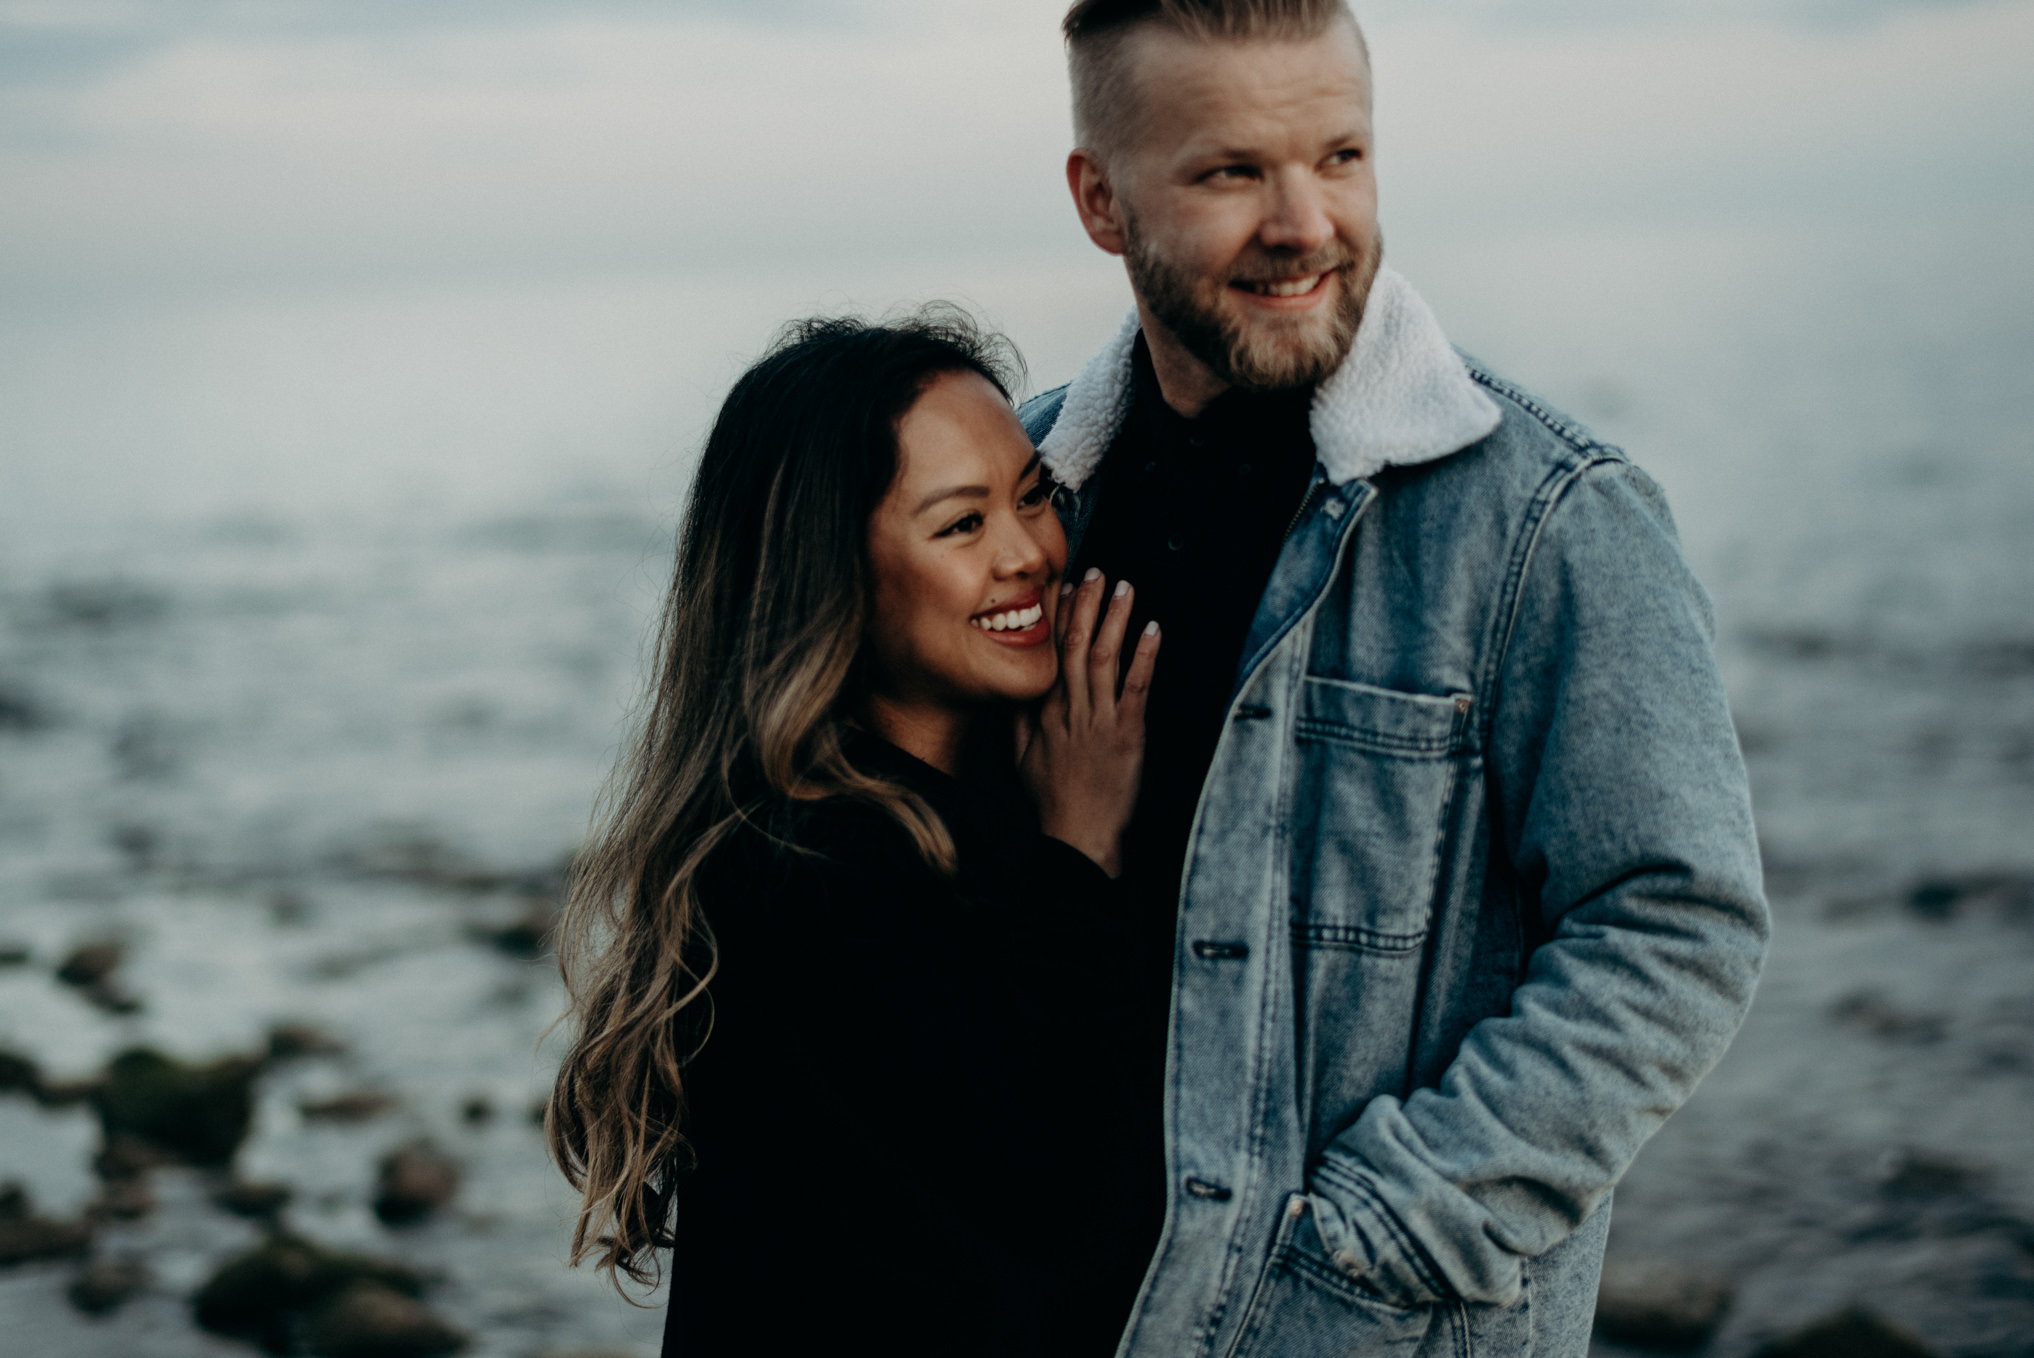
<point x="1188" y="385"/>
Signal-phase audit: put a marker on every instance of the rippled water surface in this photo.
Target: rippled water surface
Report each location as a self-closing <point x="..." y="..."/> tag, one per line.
<point x="318" y="758"/>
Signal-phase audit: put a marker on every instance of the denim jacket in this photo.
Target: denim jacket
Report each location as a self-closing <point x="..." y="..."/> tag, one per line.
<point x="1472" y="898"/>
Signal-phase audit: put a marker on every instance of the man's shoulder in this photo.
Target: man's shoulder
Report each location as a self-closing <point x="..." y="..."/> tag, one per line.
<point x="1533" y="430"/>
<point x="1041" y="412"/>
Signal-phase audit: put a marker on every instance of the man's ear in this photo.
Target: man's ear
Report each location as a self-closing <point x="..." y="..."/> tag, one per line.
<point x="1095" y="199"/>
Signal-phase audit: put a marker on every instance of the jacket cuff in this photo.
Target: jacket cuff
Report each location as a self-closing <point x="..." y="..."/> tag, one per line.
<point x="1366" y="1240"/>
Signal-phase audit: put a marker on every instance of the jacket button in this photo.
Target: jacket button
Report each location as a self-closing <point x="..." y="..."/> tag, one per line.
<point x="1297" y="1206"/>
<point x="1347" y="1261"/>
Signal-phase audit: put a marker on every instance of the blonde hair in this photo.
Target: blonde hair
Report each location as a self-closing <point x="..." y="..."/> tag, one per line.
<point x="1097" y="36"/>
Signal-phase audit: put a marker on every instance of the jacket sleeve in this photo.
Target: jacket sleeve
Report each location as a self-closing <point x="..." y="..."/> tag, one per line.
<point x="1620" y="799"/>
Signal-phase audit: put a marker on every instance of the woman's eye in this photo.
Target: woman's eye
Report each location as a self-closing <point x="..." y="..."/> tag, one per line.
<point x="1037" y="495"/>
<point x="966" y="523"/>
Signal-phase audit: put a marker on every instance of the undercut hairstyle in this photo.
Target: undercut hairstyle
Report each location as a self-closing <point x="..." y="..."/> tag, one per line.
<point x="1097" y="41"/>
<point x="759" y="670"/>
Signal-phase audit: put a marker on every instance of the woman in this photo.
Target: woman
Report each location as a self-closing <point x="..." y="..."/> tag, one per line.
<point x="841" y="987"/>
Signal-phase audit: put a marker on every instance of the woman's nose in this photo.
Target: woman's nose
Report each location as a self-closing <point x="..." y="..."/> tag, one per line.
<point x="1020" y="552"/>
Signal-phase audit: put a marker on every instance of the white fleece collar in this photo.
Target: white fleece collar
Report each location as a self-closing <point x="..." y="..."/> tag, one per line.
<point x="1401" y="396"/>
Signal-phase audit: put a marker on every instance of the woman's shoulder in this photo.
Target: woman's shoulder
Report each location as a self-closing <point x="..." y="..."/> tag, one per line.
<point x="811" y="846"/>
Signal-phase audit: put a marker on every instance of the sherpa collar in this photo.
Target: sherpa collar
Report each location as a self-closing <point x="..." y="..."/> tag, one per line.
<point x="1401" y="396"/>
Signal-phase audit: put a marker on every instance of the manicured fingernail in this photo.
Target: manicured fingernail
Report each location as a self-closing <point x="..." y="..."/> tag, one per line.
<point x="1065" y="588"/>
<point x="1093" y="574"/>
<point x="1122" y="588"/>
<point x="1151" y="628"/>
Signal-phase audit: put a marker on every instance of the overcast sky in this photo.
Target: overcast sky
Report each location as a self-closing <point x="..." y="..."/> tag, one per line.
<point x="152" y="141"/>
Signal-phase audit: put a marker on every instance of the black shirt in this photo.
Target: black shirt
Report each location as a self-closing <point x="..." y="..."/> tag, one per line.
<point x="1193" y="514"/>
<point x="890" y="1108"/>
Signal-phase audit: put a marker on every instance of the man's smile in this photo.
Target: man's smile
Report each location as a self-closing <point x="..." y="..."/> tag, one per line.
<point x="1284" y="287"/>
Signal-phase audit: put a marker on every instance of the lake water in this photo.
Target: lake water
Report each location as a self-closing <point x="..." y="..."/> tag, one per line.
<point x="320" y="614"/>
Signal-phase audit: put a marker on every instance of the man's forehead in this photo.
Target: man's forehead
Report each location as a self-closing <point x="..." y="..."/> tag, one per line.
<point x="1208" y="89"/>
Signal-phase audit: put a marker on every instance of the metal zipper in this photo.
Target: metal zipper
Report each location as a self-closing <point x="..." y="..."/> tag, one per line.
<point x="1301" y="512"/>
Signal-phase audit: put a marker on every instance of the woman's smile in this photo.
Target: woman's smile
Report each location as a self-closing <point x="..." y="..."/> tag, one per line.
<point x="1016" y="622"/>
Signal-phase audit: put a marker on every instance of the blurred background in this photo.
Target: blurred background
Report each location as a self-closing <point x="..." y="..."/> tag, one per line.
<point x="353" y="356"/>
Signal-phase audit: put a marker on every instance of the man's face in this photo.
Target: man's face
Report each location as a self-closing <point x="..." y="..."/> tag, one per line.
<point x="1248" y="204"/>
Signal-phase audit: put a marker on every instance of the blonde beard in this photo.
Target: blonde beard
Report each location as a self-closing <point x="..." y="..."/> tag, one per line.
<point x="1189" y="307"/>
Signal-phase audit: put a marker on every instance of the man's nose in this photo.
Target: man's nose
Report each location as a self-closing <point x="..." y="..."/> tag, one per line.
<point x="1296" y="218"/>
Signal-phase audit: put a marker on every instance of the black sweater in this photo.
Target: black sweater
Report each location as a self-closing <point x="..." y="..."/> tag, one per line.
<point x="893" y="1111"/>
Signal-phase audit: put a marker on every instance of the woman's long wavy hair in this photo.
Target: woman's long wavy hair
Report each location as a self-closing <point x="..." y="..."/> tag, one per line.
<point x="757" y="670"/>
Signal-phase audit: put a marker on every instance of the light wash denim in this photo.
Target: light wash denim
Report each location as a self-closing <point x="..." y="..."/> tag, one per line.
<point x="1471" y="903"/>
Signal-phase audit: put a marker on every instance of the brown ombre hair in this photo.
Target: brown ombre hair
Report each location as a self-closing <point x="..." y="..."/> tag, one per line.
<point x="758" y="668"/>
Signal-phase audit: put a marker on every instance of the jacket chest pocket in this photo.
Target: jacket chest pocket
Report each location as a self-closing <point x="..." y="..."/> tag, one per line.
<point x="1377" y="771"/>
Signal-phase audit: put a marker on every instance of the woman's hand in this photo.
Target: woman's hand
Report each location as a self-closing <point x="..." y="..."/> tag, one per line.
<point x="1082" y="754"/>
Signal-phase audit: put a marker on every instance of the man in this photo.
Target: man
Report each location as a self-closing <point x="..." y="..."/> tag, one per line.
<point x="1445" y="852"/>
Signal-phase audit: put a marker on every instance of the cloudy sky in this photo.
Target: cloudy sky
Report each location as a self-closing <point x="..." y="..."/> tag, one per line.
<point x="746" y="156"/>
<point x="155" y="140"/>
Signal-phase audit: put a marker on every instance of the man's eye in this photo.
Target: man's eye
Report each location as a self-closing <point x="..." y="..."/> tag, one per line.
<point x="966" y="523"/>
<point x="1232" y="173"/>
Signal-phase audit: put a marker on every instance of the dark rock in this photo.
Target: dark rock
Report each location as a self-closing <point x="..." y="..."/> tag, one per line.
<point x="91" y="963"/>
<point x="263" y="1295"/>
<point x="359" y="1105"/>
<point x="256" y="1200"/>
<point x="137" y="843"/>
<point x="1909" y="1172"/>
<point x="105" y="603"/>
<point x="415" y="1181"/>
<point x="1871" y="1012"/>
<point x="15" y="954"/>
<point x="125" y="1199"/>
<point x="369" y="1320"/>
<point x="1947" y="897"/>
<point x="1850" y="1333"/>
<point x="197" y="1113"/>
<point x="107" y="1285"/>
<point x="26" y="1237"/>
<point x="477" y="1109"/>
<point x="293" y="1041"/>
<point x="64" y="1093"/>
<point x="1657" y="1304"/>
<point x="146" y="745"/>
<point x="90" y="968"/>
<point x="126" y="1157"/>
<point x="18" y="1072"/>
<point x="529" y="936"/>
<point x="288" y="908"/>
<point x="19" y="712"/>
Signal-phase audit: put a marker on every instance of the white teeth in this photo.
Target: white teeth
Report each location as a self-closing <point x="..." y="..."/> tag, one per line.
<point x="1290" y="288"/>
<point x="1015" y="620"/>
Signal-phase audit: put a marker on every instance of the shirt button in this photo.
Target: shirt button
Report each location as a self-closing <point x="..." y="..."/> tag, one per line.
<point x="1197" y="441"/>
<point x="1150" y="467"/>
<point x="1176" y="541"/>
<point x="1243" y="469"/>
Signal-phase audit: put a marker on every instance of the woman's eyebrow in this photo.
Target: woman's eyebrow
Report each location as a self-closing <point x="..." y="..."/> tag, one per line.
<point x="972" y="492"/>
<point x="952" y="492"/>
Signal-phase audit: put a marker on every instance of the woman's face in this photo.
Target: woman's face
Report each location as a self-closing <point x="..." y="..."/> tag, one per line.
<point x="967" y="555"/>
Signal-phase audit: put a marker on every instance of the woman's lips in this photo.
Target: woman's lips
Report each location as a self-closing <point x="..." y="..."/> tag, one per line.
<point x="1019" y="622"/>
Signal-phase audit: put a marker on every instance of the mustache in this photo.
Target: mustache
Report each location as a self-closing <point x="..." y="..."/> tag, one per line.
<point x="1273" y="270"/>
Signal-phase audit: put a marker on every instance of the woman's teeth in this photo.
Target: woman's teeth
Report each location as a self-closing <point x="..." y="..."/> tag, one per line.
<point x="1016" y="620"/>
